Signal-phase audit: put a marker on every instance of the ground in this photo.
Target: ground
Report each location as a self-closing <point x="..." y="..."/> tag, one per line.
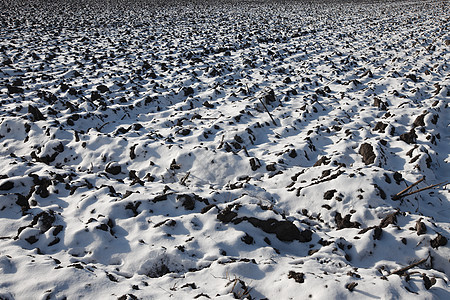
<point x="232" y="149"/>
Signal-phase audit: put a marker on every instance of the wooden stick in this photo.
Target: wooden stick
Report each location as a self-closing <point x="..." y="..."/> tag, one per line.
<point x="423" y="189"/>
<point x="183" y="180"/>
<point x="409" y="187"/>
<point x="404" y="269"/>
<point x="221" y="142"/>
<point x="270" y="115"/>
<point x="101" y="127"/>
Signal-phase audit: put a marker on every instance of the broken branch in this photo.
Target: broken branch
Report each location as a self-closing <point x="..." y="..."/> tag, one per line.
<point x="409" y="187"/>
<point x="183" y="180"/>
<point x="404" y="269"/>
<point x="425" y="188"/>
<point x="270" y="115"/>
<point x="401" y="195"/>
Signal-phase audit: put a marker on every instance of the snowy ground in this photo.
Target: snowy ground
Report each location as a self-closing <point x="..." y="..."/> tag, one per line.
<point x="241" y="149"/>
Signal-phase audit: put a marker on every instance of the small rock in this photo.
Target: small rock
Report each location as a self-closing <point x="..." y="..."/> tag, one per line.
<point x="312" y="251"/>
<point x="368" y="73"/>
<point x="238" y="139"/>
<point x="326" y="206"/>
<point x="44" y="220"/>
<point x="72" y="91"/>
<point x="77" y="266"/>
<point x="58" y="229"/>
<point x="132" y="151"/>
<point x="381" y="192"/>
<point x="103" y="227"/>
<point x="49" y="97"/>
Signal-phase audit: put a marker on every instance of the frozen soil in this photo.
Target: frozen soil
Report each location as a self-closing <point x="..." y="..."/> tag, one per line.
<point x="224" y="150"/>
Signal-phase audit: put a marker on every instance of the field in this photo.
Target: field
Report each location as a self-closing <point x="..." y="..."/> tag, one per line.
<point x="224" y="149"/>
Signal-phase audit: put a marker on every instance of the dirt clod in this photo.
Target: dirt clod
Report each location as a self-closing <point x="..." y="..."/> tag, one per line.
<point x="438" y="241"/>
<point x="368" y="156"/>
<point x="297" y="276"/>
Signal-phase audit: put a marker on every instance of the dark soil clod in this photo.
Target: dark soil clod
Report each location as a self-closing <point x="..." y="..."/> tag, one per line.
<point x="113" y="169"/>
<point x="297" y="276"/>
<point x="368" y="156"/>
<point x="345" y="222"/>
<point x="438" y="241"/>
<point x="36" y="113"/>
<point x="284" y="230"/>
<point x="409" y="137"/>
<point x="6" y="186"/>
<point x="329" y="194"/>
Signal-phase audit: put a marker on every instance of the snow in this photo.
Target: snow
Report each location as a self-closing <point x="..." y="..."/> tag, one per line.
<point x="224" y="150"/>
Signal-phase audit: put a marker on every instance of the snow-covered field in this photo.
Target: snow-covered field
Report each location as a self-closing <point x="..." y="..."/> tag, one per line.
<point x="233" y="149"/>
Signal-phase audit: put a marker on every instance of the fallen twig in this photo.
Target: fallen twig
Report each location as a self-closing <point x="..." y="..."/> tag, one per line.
<point x="409" y="187"/>
<point x="404" y="269"/>
<point x="270" y="115"/>
<point x="101" y="127"/>
<point x="183" y="180"/>
<point x="401" y="194"/>
<point x="426" y="188"/>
